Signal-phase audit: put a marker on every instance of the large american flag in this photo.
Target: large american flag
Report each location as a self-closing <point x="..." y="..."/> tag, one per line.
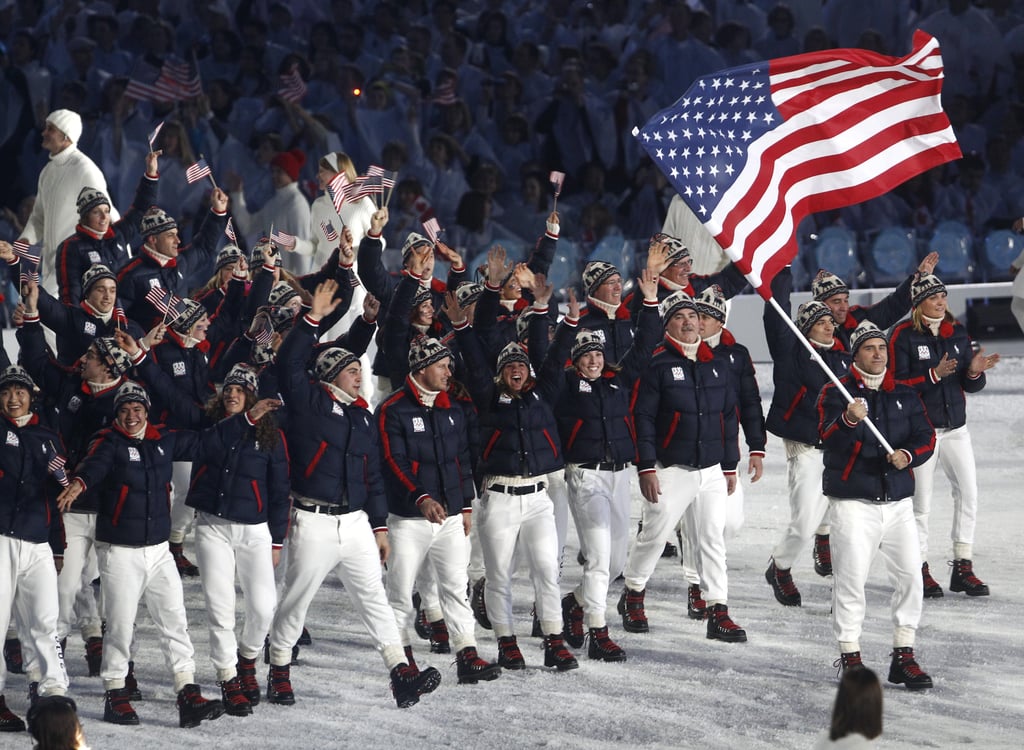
<point x="754" y="149"/>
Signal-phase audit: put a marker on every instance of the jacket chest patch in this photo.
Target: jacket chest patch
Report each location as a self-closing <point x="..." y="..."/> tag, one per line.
<point x="585" y="387"/>
<point x="89" y="328"/>
<point x="133" y="454"/>
<point x="504" y="399"/>
<point x="600" y="334"/>
<point x="12" y="439"/>
<point x="678" y="374"/>
<point x="336" y="409"/>
<point x="154" y="283"/>
<point x="417" y="425"/>
<point x="178" y="368"/>
<point x="94" y="257"/>
<point x="74" y="403"/>
<point x="923" y="352"/>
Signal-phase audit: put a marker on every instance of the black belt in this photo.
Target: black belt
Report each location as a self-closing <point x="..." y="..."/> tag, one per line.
<point x="522" y="489"/>
<point x="604" y="466"/>
<point x="327" y="510"/>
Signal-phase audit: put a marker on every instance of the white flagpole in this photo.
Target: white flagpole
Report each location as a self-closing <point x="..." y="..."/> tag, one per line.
<point x="831" y="375"/>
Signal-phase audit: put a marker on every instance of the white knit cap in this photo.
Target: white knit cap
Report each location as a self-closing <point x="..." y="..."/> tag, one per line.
<point x="67" y="122"/>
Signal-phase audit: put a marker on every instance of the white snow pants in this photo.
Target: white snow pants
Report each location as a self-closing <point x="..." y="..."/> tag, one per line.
<point x="860" y="529"/>
<point x="504" y="519"/>
<point x="954" y="453"/>
<point x="682" y="486"/>
<point x="128" y="574"/>
<point x="74" y="584"/>
<point x="28" y="583"/>
<point x="317" y="544"/>
<point x="223" y="549"/>
<point x="808" y="507"/>
<point x="443" y="549"/>
<point x="600" y="502"/>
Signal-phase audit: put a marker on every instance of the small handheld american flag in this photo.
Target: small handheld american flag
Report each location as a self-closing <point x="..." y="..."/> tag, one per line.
<point x="265" y="332"/>
<point x="557" y="179"/>
<point x="329" y="231"/>
<point x="160" y="298"/>
<point x="29" y="261"/>
<point x="120" y="319"/>
<point x="229" y="231"/>
<point x="152" y="136"/>
<point x="338" y="190"/>
<point x="293" y="88"/>
<point x="283" y="239"/>
<point x="433" y="229"/>
<point x="198" y="171"/>
<point x="55" y="466"/>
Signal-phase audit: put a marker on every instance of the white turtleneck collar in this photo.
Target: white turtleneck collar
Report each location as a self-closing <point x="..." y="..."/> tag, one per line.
<point x="873" y="382"/>
<point x="339" y="394"/>
<point x="823" y="347"/>
<point x="715" y="340"/>
<point x="64" y="155"/>
<point x="141" y="433"/>
<point x="671" y="285"/>
<point x="426" y="395"/>
<point x="95" y="387"/>
<point x="932" y="323"/>
<point x="105" y="317"/>
<point x="22" y="421"/>
<point x="606" y="308"/>
<point x="689" y="350"/>
<point x="160" y="258"/>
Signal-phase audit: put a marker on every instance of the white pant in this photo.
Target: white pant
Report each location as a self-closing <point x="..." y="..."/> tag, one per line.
<point x="128" y="574"/>
<point x="689" y="550"/>
<point x="600" y="503"/>
<point x="505" y="519"/>
<point x="682" y="486"/>
<point x="859" y="530"/>
<point x="318" y="544"/>
<point x="224" y="549"/>
<point x="1016" y="307"/>
<point x="442" y="549"/>
<point x="28" y="583"/>
<point x="74" y="584"/>
<point x="808" y="508"/>
<point x="477" y="569"/>
<point x="182" y="515"/>
<point x="558" y="491"/>
<point x="954" y="453"/>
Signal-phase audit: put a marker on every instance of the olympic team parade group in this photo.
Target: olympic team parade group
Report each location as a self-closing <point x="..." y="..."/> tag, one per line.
<point x="136" y="410"/>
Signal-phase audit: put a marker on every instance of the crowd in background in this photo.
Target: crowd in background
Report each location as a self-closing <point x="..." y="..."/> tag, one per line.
<point x="474" y="103"/>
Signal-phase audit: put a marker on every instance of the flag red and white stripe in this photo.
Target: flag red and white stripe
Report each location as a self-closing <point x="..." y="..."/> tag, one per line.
<point x="198" y="171"/>
<point x="152" y="136"/>
<point x="754" y="149"/>
<point x="282" y="239"/>
<point x="557" y="179"/>
<point x="229" y="231"/>
<point x="338" y="191"/>
<point x="293" y="88"/>
<point x="433" y="229"/>
<point x="329" y="231"/>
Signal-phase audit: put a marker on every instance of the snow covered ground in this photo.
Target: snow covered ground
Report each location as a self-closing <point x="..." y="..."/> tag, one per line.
<point x="677" y="689"/>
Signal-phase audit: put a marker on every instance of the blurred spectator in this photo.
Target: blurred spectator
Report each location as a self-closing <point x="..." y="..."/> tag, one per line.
<point x="857" y="714"/>
<point x="779" y="40"/>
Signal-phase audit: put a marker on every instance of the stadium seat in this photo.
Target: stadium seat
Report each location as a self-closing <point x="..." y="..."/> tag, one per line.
<point x="564" y="272"/>
<point x="610" y="249"/>
<point x="836" y="251"/>
<point x="1000" y="249"/>
<point x="892" y="256"/>
<point x="953" y="241"/>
